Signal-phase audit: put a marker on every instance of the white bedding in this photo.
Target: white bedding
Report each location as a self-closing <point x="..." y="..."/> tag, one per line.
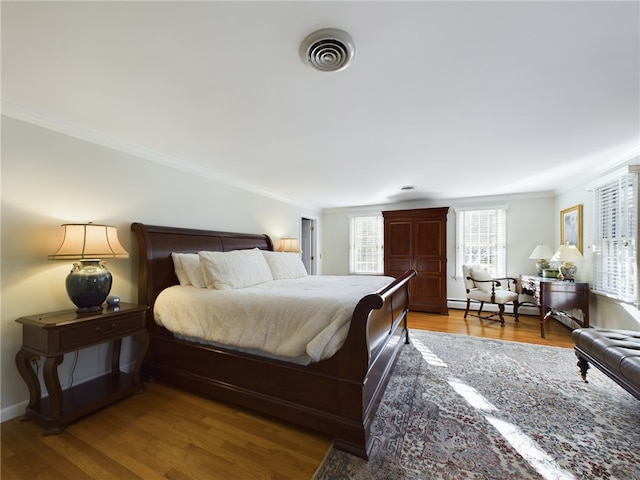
<point x="305" y="319"/>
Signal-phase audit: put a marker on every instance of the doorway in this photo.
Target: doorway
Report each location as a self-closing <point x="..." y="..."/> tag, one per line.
<point x="308" y="244"/>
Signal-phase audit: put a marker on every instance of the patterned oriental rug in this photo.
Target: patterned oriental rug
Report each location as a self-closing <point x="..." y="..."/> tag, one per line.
<point x="460" y="407"/>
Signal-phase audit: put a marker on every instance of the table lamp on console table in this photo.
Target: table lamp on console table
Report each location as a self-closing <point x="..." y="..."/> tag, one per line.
<point x="568" y="255"/>
<point x="542" y="253"/>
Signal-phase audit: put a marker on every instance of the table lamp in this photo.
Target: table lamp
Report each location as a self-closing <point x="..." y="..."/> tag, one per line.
<point x="289" y="244"/>
<point x="567" y="254"/>
<point x="542" y="253"/>
<point x="89" y="282"/>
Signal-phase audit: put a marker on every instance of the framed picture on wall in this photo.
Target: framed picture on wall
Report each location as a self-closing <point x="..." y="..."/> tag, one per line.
<point x="571" y="226"/>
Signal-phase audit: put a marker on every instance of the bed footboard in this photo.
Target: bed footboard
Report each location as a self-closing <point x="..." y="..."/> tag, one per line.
<point x="378" y="332"/>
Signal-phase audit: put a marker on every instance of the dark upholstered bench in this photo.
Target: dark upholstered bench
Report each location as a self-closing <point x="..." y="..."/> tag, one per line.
<point x="615" y="352"/>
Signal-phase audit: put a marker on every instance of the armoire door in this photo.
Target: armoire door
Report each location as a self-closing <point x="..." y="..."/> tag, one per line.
<point x="417" y="239"/>
<point x="430" y="263"/>
<point x="398" y="240"/>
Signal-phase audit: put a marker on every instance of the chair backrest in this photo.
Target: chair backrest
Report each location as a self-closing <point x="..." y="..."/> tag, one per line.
<point x="467" y="271"/>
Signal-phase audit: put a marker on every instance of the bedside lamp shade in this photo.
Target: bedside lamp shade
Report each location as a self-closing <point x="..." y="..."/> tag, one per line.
<point x="542" y="253"/>
<point x="89" y="241"/>
<point x="89" y="282"/>
<point x="289" y="244"/>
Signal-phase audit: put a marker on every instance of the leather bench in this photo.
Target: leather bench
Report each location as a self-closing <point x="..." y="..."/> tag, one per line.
<point x="615" y="352"/>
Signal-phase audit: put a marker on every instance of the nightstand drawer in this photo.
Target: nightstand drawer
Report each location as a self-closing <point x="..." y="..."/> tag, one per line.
<point x="99" y="331"/>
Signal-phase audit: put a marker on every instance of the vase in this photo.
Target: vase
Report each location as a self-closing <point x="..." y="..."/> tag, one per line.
<point x="88" y="285"/>
<point x="568" y="271"/>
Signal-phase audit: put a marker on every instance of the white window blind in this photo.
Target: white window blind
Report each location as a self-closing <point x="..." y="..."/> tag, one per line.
<point x="615" y="237"/>
<point x="366" y="245"/>
<point x="481" y="239"/>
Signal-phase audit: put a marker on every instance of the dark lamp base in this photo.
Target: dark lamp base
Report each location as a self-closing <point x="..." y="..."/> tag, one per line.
<point x="88" y="285"/>
<point x="95" y="308"/>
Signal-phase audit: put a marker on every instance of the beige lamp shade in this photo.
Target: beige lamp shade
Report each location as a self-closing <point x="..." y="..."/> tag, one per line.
<point x="567" y="253"/>
<point x="89" y="240"/>
<point x="541" y="252"/>
<point x="289" y="244"/>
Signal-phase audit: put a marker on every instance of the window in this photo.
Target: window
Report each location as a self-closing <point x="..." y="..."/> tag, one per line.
<point x="615" y="236"/>
<point x="365" y="245"/>
<point x="481" y="239"/>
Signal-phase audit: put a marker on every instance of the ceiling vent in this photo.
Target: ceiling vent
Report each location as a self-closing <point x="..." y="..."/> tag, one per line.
<point x="328" y="50"/>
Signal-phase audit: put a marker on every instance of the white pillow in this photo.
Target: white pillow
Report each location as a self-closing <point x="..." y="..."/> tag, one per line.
<point x="234" y="269"/>
<point x="284" y="265"/>
<point x="482" y="274"/>
<point x="190" y="263"/>
<point x="177" y="267"/>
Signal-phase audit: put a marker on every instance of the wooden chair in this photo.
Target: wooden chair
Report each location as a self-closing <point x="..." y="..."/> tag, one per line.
<point x="483" y="288"/>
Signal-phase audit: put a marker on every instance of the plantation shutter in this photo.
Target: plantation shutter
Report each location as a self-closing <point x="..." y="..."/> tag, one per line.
<point x="615" y="237"/>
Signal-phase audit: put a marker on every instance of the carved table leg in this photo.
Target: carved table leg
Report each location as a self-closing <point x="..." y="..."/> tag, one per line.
<point x="23" y="362"/>
<point x="542" y="320"/>
<point x="115" y="356"/>
<point x="143" y="337"/>
<point x="52" y="382"/>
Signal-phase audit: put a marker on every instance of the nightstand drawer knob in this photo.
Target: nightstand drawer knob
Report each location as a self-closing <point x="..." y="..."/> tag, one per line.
<point x="106" y="330"/>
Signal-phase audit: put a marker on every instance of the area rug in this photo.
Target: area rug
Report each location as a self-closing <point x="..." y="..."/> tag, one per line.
<point x="460" y="407"/>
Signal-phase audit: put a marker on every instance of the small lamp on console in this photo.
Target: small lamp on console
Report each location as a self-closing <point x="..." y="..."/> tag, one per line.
<point x="568" y="255"/>
<point x="89" y="282"/>
<point x="289" y="244"/>
<point x="542" y="253"/>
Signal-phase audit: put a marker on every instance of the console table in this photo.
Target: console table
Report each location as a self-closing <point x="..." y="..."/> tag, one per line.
<point x="51" y="335"/>
<point x="554" y="296"/>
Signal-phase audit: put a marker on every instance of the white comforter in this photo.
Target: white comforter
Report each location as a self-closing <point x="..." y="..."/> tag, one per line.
<point x="303" y="320"/>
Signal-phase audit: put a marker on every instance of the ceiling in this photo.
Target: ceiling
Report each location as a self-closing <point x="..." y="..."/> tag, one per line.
<point x="459" y="99"/>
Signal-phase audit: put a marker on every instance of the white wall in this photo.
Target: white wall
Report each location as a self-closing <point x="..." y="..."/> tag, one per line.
<point x="530" y="221"/>
<point x="48" y="179"/>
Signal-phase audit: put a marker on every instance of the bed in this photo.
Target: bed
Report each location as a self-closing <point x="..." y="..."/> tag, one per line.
<point x="337" y="396"/>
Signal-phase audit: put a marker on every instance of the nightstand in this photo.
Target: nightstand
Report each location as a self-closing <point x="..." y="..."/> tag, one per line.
<point x="51" y="335"/>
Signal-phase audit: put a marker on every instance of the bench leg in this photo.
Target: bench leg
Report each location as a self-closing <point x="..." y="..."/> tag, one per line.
<point x="583" y="365"/>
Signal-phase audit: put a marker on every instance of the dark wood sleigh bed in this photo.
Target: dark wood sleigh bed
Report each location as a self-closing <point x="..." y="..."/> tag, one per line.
<point x="337" y="396"/>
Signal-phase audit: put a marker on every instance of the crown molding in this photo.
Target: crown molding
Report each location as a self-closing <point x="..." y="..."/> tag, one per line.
<point x="607" y="169"/>
<point x="60" y="125"/>
<point x="613" y="176"/>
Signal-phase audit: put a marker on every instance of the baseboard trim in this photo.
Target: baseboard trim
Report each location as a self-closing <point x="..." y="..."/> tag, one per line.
<point x="13" y="411"/>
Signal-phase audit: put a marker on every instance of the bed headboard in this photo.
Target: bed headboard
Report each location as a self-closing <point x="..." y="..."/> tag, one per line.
<point x="155" y="245"/>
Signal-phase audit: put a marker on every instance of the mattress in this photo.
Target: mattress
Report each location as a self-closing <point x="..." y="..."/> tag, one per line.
<point x="300" y="320"/>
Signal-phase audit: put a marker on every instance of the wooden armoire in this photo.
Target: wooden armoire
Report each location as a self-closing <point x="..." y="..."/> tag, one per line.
<point x="417" y="239"/>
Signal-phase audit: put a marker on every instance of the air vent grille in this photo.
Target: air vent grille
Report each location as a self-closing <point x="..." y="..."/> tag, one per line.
<point x="328" y="50"/>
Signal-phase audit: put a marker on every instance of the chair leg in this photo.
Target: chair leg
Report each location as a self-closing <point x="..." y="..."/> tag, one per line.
<point x="516" y="306"/>
<point x="480" y="309"/>
<point x="501" y="313"/>
<point x="467" y="310"/>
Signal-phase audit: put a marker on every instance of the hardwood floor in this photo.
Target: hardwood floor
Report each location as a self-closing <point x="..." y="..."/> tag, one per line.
<point x="167" y="433"/>
<point x="527" y="330"/>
